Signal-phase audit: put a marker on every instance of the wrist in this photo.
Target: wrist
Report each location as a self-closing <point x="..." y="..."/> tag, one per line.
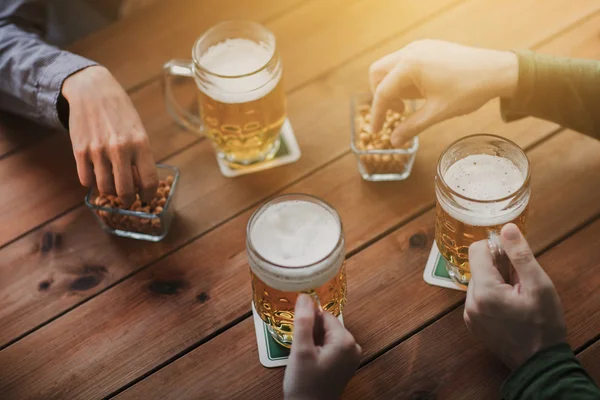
<point x="506" y="74"/>
<point x="84" y="80"/>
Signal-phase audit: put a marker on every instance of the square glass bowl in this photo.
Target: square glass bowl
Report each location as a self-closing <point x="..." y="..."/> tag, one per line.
<point x="381" y="164"/>
<point x="137" y="224"/>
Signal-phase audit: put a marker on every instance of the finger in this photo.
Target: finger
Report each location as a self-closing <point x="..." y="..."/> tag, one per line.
<point x="304" y="322"/>
<point x="380" y="68"/>
<point x="426" y="116"/>
<point x="104" y="176"/>
<point x="334" y="330"/>
<point x="522" y="258"/>
<point x="144" y="163"/>
<point x="123" y="174"/>
<point x="483" y="271"/>
<point x="388" y="94"/>
<point x="470" y="300"/>
<point x="85" y="168"/>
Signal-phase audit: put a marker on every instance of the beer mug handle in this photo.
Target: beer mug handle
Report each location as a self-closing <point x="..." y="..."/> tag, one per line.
<point x="499" y="257"/>
<point x="315" y="298"/>
<point x="182" y="116"/>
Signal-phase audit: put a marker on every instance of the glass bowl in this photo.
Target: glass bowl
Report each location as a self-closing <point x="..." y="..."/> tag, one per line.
<point x="141" y="225"/>
<point x="381" y="164"/>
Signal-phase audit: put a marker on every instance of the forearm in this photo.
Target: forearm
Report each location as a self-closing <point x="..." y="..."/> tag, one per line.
<point x="31" y="71"/>
<point x="553" y="373"/>
<point x="562" y="90"/>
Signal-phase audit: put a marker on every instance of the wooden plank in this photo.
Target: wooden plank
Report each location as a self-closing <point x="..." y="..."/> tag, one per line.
<point x="135" y="48"/>
<point x="17" y="132"/>
<point x="159" y="124"/>
<point x="185" y="297"/>
<point x="590" y="359"/>
<point x="206" y="198"/>
<point x="444" y="360"/>
<point x="393" y="277"/>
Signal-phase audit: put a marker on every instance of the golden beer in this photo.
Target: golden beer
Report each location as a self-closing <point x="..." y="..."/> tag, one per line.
<point x="482" y="183"/>
<point x="295" y="244"/>
<point x="242" y="100"/>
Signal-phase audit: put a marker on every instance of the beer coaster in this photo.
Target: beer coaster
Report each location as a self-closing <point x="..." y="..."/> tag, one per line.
<point x="289" y="152"/>
<point x="435" y="271"/>
<point x="270" y="353"/>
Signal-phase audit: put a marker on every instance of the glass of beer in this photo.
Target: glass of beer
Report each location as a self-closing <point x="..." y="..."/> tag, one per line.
<point x="482" y="183"/>
<point x="241" y="99"/>
<point x="295" y="244"/>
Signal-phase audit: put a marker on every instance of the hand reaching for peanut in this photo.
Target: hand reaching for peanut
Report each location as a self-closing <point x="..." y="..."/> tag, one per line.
<point x="110" y="144"/>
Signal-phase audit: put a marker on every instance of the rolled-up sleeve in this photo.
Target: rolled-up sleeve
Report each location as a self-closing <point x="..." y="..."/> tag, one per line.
<point x="32" y="72"/>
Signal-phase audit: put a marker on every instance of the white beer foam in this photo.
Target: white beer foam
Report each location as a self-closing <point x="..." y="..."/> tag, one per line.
<point x="294" y="234"/>
<point x="235" y="57"/>
<point x="484" y="177"/>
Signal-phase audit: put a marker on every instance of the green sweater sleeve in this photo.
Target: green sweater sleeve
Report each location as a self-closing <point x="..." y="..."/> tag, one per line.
<point x="562" y="90"/>
<point x="553" y="374"/>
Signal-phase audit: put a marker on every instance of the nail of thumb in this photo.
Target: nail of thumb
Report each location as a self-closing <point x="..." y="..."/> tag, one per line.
<point x="303" y="301"/>
<point x="511" y="232"/>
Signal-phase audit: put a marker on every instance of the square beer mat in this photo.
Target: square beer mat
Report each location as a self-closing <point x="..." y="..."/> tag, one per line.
<point x="270" y="353"/>
<point x="435" y="271"/>
<point x="289" y="152"/>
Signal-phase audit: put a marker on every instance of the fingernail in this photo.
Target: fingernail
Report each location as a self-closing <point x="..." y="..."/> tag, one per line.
<point x="511" y="232"/>
<point x="303" y="300"/>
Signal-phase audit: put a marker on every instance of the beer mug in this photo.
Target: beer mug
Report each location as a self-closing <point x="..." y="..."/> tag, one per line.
<point x="241" y="98"/>
<point x="295" y="244"/>
<point x="482" y="183"/>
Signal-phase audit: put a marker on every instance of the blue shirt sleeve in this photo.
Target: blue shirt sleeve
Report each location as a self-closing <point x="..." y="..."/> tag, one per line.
<point x="32" y="72"/>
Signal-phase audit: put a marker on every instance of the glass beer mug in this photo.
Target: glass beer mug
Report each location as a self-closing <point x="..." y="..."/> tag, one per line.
<point x="295" y="244"/>
<point x="241" y="98"/>
<point x="482" y="183"/>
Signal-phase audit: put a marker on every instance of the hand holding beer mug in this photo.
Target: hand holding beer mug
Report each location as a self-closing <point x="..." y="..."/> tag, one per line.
<point x="514" y="319"/>
<point x="295" y="244"/>
<point x="320" y="365"/>
<point x="238" y="72"/>
<point x="482" y="183"/>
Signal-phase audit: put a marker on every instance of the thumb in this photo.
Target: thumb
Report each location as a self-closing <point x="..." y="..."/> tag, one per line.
<point x="423" y="118"/>
<point x="304" y="322"/>
<point x="522" y="258"/>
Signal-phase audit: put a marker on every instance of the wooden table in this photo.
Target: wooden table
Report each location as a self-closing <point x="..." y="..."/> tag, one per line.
<point x="84" y="315"/>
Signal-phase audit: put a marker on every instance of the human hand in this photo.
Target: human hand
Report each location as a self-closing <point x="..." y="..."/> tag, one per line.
<point x="453" y="79"/>
<point x="515" y="319"/>
<point x="324" y="355"/>
<point x="110" y="144"/>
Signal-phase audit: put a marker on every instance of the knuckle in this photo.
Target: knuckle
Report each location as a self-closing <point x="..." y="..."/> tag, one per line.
<point x="304" y="353"/>
<point x="375" y="68"/>
<point x="471" y="310"/>
<point x="118" y="146"/>
<point x="348" y="343"/>
<point x="80" y="152"/>
<point x="140" y="141"/>
<point x="96" y="149"/>
<point x="467" y="318"/>
<point x="150" y="182"/>
<point x="523" y="257"/>
<point x="85" y="182"/>
<point x="480" y="300"/>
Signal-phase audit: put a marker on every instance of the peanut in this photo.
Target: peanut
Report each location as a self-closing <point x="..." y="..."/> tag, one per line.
<point x="133" y="223"/>
<point x="367" y="140"/>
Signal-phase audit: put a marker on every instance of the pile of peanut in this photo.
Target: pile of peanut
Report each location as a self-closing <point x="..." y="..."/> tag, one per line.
<point x="150" y="226"/>
<point x="367" y="140"/>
